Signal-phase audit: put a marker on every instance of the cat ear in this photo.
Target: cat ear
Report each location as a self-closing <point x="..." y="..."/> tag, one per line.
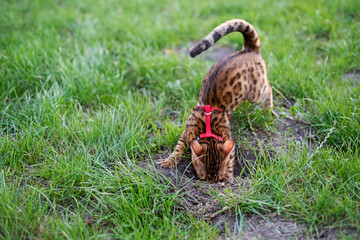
<point x="196" y="147"/>
<point x="227" y="146"/>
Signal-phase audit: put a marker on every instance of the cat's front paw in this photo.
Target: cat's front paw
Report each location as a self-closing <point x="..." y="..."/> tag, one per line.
<point x="229" y="178"/>
<point x="167" y="163"/>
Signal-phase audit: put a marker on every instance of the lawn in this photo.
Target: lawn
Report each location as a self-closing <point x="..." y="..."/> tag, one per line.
<point x="93" y="93"/>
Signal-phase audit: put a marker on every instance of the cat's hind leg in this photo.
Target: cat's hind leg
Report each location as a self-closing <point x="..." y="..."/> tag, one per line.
<point x="266" y="99"/>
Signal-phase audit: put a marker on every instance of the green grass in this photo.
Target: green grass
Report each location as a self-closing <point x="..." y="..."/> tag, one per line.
<point x="87" y="93"/>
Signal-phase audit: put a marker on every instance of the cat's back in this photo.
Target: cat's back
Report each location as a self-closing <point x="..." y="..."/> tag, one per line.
<point x="229" y="78"/>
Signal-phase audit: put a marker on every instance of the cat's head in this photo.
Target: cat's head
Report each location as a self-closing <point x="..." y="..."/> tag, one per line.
<point x="210" y="158"/>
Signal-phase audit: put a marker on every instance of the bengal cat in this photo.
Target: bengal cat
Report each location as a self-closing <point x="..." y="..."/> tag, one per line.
<point x="235" y="78"/>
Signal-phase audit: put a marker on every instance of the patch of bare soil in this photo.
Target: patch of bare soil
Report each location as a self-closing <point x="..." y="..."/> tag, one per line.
<point x="198" y="197"/>
<point x="215" y="53"/>
<point x="353" y="75"/>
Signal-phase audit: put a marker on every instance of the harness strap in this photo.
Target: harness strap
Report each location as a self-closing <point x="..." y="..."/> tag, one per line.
<point x="208" y="110"/>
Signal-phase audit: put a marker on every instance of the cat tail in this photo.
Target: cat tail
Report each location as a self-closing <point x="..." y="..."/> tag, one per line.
<point x="251" y="38"/>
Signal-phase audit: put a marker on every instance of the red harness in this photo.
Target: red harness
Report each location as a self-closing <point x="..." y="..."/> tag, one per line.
<point x="208" y="110"/>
